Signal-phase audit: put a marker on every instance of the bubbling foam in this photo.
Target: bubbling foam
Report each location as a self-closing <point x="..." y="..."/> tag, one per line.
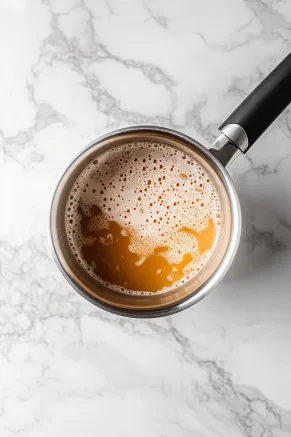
<point x="159" y="197"/>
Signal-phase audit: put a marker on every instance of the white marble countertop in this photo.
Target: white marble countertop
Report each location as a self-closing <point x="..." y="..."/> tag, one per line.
<point x="71" y="70"/>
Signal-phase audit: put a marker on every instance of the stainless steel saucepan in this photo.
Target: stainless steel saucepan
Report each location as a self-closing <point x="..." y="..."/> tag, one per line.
<point x="237" y="134"/>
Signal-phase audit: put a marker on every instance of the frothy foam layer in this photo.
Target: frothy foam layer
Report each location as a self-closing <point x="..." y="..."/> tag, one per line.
<point x="158" y="200"/>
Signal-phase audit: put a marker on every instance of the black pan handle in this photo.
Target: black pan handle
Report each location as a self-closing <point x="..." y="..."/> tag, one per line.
<point x="260" y="108"/>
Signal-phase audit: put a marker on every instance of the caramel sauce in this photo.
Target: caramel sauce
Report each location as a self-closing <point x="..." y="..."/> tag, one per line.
<point x="107" y="250"/>
<point x="205" y="238"/>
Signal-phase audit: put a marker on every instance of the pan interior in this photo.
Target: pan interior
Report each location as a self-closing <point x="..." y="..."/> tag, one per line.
<point x="94" y="290"/>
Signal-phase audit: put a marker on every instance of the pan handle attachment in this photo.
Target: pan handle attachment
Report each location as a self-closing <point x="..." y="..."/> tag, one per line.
<point x="259" y="109"/>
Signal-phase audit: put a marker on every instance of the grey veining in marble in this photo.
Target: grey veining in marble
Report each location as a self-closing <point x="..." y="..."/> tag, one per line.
<point x="71" y="70"/>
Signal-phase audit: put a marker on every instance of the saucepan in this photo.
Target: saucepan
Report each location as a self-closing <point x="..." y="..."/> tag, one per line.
<point x="237" y="134"/>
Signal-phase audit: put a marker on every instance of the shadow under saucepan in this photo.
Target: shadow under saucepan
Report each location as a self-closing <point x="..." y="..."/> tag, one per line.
<point x="260" y="275"/>
<point x="264" y="234"/>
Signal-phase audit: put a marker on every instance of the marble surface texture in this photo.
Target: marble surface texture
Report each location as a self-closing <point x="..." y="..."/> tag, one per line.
<point x="71" y="70"/>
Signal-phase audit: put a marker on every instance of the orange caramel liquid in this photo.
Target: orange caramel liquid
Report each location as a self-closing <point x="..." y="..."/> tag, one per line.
<point x="108" y="250"/>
